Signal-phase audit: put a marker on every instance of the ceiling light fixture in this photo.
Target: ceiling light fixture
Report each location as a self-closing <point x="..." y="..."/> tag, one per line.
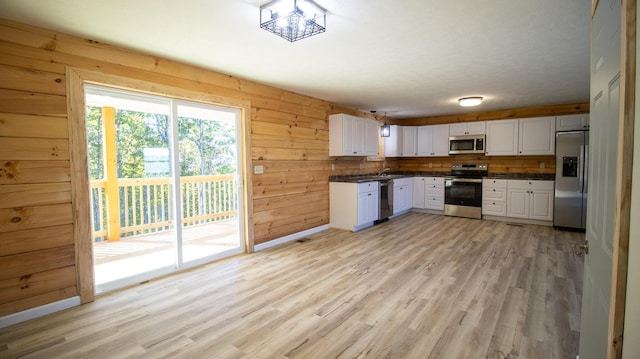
<point x="293" y="19"/>
<point x="470" y="101"/>
<point x="385" y="130"/>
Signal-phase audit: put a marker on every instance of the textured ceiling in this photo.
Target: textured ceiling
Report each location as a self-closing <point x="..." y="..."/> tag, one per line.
<point x="409" y="58"/>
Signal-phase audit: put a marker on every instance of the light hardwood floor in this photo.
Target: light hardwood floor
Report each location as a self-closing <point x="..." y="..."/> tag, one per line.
<point x="418" y="286"/>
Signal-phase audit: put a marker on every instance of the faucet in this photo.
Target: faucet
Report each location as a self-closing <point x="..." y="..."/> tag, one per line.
<point x="382" y="171"/>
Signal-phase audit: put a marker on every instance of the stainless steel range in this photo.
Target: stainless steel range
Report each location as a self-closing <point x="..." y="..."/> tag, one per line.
<point x="463" y="190"/>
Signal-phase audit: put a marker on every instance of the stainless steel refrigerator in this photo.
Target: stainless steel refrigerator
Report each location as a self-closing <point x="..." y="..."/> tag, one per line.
<point x="570" y="206"/>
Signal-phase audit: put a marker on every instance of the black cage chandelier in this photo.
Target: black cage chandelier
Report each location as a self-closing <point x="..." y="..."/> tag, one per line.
<point x="293" y="20"/>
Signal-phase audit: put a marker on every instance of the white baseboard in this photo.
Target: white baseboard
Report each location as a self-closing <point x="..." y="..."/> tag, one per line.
<point x="40" y="311"/>
<point x="289" y="238"/>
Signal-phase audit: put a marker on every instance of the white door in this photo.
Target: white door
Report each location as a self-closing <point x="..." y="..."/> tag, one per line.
<point x="502" y="138"/>
<point x="358" y="135"/>
<point x="541" y="205"/>
<point x="601" y="211"/>
<point x="418" y="192"/>
<point x="425" y="140"/>
<point x="348" y="133"/>
<point x="409" y="141"/>
<point x="518" y="203"/>
<point x="537" y="136"/>
<point x="370" y="137"/>
<point x="441" y="140"/>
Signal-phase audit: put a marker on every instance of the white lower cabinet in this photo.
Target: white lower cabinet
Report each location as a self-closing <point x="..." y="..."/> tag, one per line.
<point x="418" y="192"/>
<point x="368" y="199"/>
<point x="353" y="206"/>
<point x="530" y="199"/>
<point x="494" y="197"/>
<point x="402" y="195"/>
<point x="428" y="193"/>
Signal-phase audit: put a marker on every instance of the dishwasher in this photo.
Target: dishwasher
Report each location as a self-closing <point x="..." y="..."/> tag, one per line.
<point x="385" y="207"/>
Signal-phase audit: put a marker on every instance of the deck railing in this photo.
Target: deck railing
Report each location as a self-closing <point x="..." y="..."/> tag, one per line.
<point x="145" y="204"/>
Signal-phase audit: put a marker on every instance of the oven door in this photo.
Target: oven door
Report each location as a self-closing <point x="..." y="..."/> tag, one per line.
<point x="463" y="191"/>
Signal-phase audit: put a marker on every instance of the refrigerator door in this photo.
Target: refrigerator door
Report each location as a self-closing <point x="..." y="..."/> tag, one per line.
<point x="569" y="179"/>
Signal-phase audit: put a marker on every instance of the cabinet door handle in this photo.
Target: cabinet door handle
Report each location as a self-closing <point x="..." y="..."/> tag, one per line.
<point x="494" y="190"/>
<point x="369" y="194"/>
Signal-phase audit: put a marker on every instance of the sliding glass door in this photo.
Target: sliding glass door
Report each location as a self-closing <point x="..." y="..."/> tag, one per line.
<point x="164" y="184"/>
<point x="207" y="140"/>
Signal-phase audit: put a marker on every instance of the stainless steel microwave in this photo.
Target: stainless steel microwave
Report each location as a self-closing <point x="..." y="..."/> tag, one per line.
<point x="466" y="144"/>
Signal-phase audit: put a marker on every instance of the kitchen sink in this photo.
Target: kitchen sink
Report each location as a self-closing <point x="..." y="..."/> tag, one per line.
<point x="376" y="178"/>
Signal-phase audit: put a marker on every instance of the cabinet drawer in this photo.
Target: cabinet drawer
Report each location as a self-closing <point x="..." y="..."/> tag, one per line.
<point x="368" y="187"/>
<point x="530" y="185"/>
<point x="494" y="194"/>
<point x="494" y="208"/>
<point x="434" y="190"/>
<point x="434" y="202"/>
<point x="494" y="183"/>
<point x="434" y="180"/>
<point x="402" y="182"/>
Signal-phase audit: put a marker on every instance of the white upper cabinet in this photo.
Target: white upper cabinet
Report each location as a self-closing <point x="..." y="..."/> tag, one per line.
<point x="409" y="142"/>
<point x="572" y="122"/>
<point x="352" y="136"/>
<point x="393" y="143"/>
<point x="537" y="136"/>
<point x="527" y="136"/>
<point x="467" y="128"/>
<point x="371" y="137"/>
<point x="433" y="140"/>
<point x="502" y="138"/>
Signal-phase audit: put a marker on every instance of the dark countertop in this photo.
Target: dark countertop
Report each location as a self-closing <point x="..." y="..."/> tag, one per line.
<point x="523" y="176"/>
<point x="370" y="177"/>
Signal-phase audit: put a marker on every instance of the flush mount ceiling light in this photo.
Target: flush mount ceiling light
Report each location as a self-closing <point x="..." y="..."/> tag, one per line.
<point x="293" y="20"/>
<point x="470" y="101"/>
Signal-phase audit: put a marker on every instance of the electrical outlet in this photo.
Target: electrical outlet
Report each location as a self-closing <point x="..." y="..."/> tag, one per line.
<point x="430" y="165"/>
<point x="333" y="166"/>
<point x="258" y="170"/>
<point x="541" y="164"/>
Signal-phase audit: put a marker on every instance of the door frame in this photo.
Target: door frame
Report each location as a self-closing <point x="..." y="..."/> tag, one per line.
<point x="76" y="78"/>
<point x="624" y="177"/>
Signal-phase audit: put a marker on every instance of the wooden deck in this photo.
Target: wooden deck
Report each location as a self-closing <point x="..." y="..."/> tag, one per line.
<point x="133" y="255"/>
<point x="418" y="286"/>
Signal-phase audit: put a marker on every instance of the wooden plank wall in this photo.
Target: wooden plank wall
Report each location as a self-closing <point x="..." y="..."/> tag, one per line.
<point x="497" y="164"/>
<point x="289" y="134"/>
